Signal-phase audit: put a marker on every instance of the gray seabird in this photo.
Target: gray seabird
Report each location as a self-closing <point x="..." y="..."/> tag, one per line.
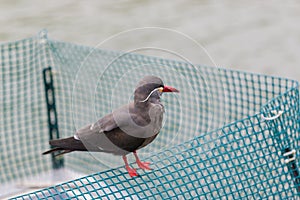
<point x="126" y="129"/>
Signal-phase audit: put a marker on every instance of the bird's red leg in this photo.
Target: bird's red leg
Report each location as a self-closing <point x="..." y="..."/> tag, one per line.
<point x="132" y="172"/>
<point x="142" y="165"/>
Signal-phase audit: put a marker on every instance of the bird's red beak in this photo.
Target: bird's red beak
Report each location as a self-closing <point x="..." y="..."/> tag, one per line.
<point x="169" y="89"/>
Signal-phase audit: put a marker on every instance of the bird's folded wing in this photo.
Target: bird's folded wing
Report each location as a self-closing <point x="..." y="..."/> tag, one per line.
<point x="105" y="124"/>
<point x="95" y="135"/>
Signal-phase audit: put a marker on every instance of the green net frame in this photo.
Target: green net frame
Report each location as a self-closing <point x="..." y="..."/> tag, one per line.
<point x="234" y="135"/>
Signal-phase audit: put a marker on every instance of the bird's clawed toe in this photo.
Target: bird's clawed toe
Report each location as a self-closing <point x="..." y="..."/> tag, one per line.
<point x="144" y="165"/>
<point x="131" y="171"/>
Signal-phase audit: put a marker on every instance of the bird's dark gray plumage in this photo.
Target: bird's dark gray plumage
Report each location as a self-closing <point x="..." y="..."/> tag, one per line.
<point x="126" y="129"/>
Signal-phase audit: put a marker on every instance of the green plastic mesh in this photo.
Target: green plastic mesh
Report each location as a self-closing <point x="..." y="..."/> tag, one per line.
<point x="23" y="114"/>
<point x="215" y="142"/>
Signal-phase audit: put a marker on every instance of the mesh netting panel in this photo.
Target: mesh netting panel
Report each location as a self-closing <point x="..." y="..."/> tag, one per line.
<point x="23" y="115"/>
<point x="214" y="142"/>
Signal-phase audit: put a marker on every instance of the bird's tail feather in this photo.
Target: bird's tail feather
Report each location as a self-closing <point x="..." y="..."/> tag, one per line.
<point x="52" y="150"/>
<point x="65" y="145"/>
<point x="68" y="144"/>
<point x="56" y="150"/>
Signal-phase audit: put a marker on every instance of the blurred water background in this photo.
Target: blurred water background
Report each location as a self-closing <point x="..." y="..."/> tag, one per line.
<point x="257" y="36"/>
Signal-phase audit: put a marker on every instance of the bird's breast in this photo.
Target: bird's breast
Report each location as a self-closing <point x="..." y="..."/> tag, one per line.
<point x="156" y="116"/>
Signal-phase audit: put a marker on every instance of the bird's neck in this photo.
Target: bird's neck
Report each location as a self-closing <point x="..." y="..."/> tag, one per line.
<point x="147" y="104"/>
<point x="142" y="106"/>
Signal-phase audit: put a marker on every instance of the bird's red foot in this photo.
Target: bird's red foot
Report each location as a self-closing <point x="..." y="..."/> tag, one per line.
<point x="143" y="165"/>
<point x="131" y="171"/>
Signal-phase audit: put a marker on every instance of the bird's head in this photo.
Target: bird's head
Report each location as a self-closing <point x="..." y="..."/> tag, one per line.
<point x="149" y="89"/>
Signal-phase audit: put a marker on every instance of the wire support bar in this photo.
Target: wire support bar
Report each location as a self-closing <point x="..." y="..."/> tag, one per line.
<point x="57" y="162"/>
